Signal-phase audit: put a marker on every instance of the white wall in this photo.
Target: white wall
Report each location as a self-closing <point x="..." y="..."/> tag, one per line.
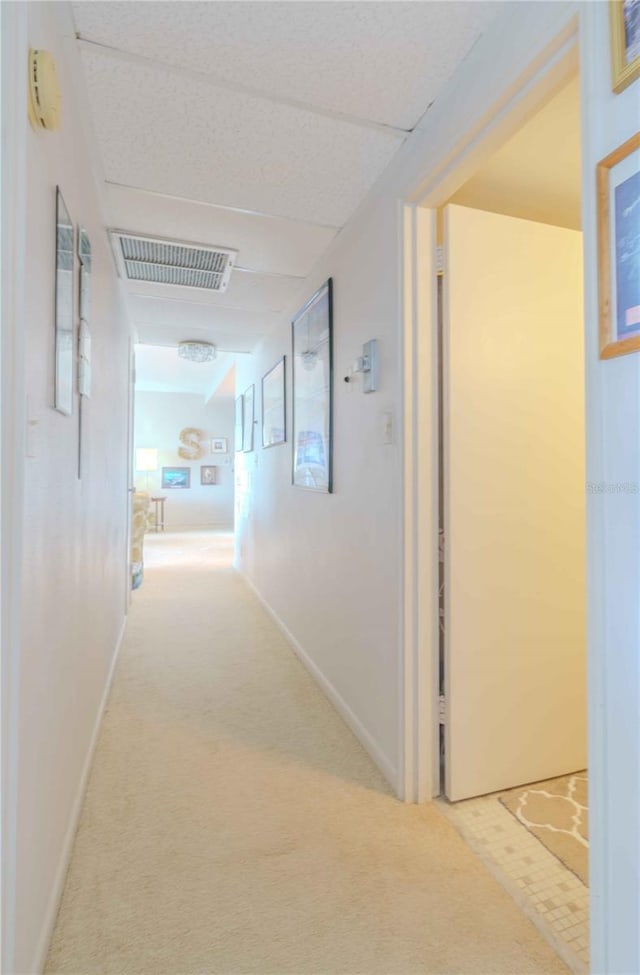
<point x="328" y="564"/>
<point x="75" y="560"/>
<point x="613" y="546"/>
<point x="331" y="567"/>
<point x="159" y="418"/>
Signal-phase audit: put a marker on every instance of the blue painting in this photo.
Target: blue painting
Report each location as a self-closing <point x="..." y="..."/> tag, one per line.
<point x="627" y="252"/>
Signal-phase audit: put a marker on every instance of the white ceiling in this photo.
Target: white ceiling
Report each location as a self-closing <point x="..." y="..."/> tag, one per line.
<point x="536" y="174"/>
<point x="255" y="126"/>
<point x="162" y="370"/>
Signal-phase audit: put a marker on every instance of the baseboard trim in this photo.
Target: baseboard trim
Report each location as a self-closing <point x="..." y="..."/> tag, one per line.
<point x="368" y="743"/>
<point x="42" y="948"/>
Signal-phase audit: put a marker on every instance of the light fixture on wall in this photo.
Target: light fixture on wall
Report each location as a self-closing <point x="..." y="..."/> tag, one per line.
<point x="197" y="351"/>
<point x="44" y="92"/>
<point x="147" y="461"/>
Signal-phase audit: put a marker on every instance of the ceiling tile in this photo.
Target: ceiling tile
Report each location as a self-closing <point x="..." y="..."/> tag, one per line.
<point x="385" y="62"/>
<point x="264" y="243"/>
<point x="246" y="292"/>
<point x="173" y="134"/>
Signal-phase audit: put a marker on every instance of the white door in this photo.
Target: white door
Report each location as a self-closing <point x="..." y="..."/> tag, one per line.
<point x="514" y="502"/>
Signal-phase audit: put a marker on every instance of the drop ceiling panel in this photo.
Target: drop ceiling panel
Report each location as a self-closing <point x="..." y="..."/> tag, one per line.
<point x="380" y="61"/>
<point x="201" y="315"/>
<point x="173" y="134"/>
<point x="264" y="244"/>
<point x="247" y="292"/>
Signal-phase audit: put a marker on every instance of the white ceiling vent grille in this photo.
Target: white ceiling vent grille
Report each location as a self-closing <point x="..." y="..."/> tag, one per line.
<point x="159" y="261"/>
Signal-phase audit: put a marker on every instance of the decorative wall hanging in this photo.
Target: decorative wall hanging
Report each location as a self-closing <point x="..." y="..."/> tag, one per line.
<point x="208" y="474"/>
<point x="63" y="396"/>
<point x="625" y="42"/>
<point x="219" y="445"/>
<point x="176" y="477"/>
<point x="274" y="406"/>
<point x="618" y="180"/>
<point x="84" y="336"/>
<point x="312" y="346"/>
<point x="192" y="448"/>
<point x="247" y="419"/>
<point x="239" y="430"/>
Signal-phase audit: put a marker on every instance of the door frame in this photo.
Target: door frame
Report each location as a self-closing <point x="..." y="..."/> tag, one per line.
<point x="13" y="427"/>
<point x="419" y="778"/>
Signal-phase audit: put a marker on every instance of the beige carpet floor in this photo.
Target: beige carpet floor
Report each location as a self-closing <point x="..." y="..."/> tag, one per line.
<point x="233" y="824"/>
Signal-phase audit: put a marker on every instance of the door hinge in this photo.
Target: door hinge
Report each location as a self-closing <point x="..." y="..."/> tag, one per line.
<point x="442" y="709"/>
<point x="440" y="259"/>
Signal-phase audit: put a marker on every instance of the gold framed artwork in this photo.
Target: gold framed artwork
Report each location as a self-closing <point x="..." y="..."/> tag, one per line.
<point x="625" y="42"/>
<point x="618" y="188"/>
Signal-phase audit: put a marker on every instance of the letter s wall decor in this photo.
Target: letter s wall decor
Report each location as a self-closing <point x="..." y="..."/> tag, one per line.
<point x="192" y="448"/>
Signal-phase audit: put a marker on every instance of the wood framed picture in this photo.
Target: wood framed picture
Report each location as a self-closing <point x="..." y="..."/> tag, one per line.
<point x="247" y="419"/>
<point x="64" y="331"/>
<point x="176" y="477"/>
<point x="618" y="187"/>
<point x="208" y="474"/>
<point x="312" y="356"/>
<point x="625" y="42"/>
<point x="274" y="405"/>
<point x="239" y="429"/>
<point x="219" y="445"/>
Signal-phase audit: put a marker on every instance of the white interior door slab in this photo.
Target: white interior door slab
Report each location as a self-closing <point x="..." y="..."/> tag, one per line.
<point x="514" y="497"/>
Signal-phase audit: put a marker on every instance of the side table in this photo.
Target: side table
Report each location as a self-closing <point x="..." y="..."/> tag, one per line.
<point x="159" y="513"/>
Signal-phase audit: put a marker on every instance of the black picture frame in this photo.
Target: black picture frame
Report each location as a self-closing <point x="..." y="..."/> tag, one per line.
<point x="274" y="404"/>
<point x="64" y="357"/>
<point x="239" y="427"/>
<point x="248" y="418"/>
<point x="312" y="393"/>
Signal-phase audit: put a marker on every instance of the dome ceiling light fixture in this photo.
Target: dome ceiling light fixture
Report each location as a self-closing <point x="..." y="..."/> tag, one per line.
<point x="197" y="351"/>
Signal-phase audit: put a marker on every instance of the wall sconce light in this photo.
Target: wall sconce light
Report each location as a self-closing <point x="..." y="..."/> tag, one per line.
<point x="367" y="364"/>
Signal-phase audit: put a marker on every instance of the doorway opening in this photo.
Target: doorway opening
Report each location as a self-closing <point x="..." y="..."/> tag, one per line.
<point x="511" y="749"/>
<point x="182" y="450"/>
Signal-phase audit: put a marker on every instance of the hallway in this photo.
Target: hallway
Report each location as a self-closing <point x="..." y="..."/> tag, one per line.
<point x="233" y="824"/>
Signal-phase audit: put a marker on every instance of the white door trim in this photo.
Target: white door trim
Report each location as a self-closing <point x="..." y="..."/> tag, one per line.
<point x="419" y="779"/>
<point x="13" y="421"/>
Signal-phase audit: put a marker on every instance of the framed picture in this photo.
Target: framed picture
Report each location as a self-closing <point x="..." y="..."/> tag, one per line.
<point x="219" y="445"/>
<point x="176" y="477"/>
<point x="312" y="349"/>
<point x="64" y="351"/>
<point x="208" y="474"/>
<point x="247" y="419"/>
<point x="625" y="42"/>
<point x="239" y="431"/>
<point x="618" y="184"/>
<point x="274" y="405"/>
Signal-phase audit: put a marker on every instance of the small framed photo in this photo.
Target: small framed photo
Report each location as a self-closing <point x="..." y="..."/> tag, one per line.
<point x="247" y="420"/>
<point x="618" y="185"/>
<point x="208" y="474"/>
<point x="625" y="42"/>
<point x="176" y="477"/>
<point x="274" y="405"/>
<point x="219" y="445"/>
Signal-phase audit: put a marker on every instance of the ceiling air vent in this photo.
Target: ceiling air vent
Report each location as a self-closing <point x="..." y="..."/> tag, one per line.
<point x="159" y="261"/>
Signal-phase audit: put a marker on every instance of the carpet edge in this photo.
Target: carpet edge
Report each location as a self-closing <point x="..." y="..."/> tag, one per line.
<point x="382" y="762"/>
<point x="51" y="913"/>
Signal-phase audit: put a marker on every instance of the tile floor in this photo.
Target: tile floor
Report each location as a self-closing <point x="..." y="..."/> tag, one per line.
<point x="553" y="897"/>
